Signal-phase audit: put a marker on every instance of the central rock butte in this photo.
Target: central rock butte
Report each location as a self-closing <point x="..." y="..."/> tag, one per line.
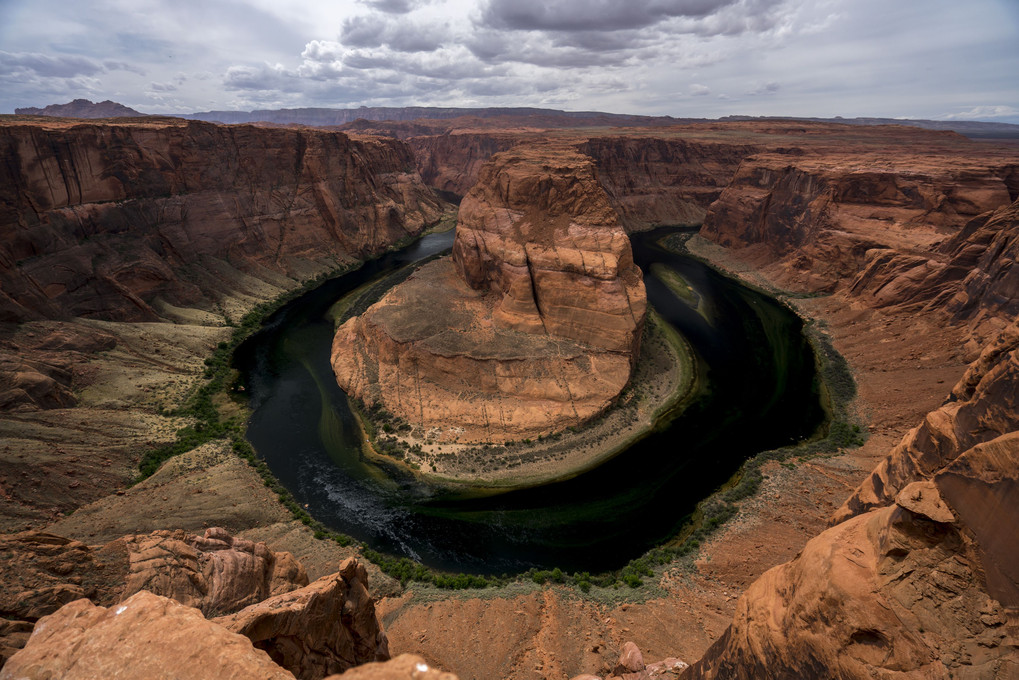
<point x="532" y="326"/>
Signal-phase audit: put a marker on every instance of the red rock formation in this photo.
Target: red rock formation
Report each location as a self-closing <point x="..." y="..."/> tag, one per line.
<point x="533" y="327"/>
<point x="215" y="573"/>
<point x="146" y="636"/>
<point x="982" y="406"/>
<point x="106" y="220"/>
<point x="326" y="627"/>
<point x="819" y="215"/>
<point x="403" y="667"/>
<point x="451" y="162"/>
<point x="656" y="181"/>
<point x="926" y="588"/>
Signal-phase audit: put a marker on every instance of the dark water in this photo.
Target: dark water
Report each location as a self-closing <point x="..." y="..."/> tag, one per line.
<point x="761" y="393"/>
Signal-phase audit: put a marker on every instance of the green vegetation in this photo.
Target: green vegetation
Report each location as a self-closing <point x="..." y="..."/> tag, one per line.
<point x="203" y="408"/>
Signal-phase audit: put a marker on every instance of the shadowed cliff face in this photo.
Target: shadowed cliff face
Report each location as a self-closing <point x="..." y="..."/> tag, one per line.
<point x="655" y="182"/>
<point x="534" y="325"/>
<point x="818" y="218"/>
<point x="114" y="221"/>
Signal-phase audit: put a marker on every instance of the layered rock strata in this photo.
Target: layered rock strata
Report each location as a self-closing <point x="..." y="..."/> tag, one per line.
<point x="816" y="217"/>
<point x="114" y="221"/>
<point x="655" y="181"/>
<point x="215" y="573"/>
<point x="532" y="326"/>
<point x="924" y="588"/>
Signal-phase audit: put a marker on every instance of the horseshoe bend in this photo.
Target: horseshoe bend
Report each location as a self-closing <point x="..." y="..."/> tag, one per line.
<point x="138" y="255"/>
<point x="532" y="326"/>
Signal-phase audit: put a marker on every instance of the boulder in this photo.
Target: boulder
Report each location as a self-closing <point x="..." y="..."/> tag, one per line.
<point x="326" y="627"/>
<point x="146" y="636"/>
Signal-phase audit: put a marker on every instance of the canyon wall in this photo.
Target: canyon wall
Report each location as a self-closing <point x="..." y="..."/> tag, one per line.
<point x="814" y="218"/>
<point x="532" y="326"/>
<point x="112" y="221"/>
<point x="663" y="181"/>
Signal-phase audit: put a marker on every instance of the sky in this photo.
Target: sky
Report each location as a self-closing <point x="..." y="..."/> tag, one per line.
<point x="934" y="59"/>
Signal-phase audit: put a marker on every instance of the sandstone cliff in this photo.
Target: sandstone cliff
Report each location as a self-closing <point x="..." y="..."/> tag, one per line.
<point x="112" y="221"/>
<point x="925" y="588"/>
<point x="656" y="181"/>
<point x="967" y="279"/>
<point x="533" y="326"/>
<point x="816" y="216"/>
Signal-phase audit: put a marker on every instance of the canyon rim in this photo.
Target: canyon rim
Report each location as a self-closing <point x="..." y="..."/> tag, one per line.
<point x="133" y="251"/>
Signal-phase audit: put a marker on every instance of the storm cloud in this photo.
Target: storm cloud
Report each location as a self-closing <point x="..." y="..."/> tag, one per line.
<point x="916" y="58"/>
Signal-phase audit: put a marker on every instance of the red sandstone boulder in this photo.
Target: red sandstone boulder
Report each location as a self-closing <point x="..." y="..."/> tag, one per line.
<point x="146" y="636"/>
<point x="403" y="667"/>
<point x="326" y="627"/>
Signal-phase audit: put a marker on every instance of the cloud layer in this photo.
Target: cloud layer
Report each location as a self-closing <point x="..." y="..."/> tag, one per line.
<point x="921" y="58"/>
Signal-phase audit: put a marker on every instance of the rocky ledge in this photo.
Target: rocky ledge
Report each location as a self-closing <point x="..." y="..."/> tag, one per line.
<point x="532" y="326"/>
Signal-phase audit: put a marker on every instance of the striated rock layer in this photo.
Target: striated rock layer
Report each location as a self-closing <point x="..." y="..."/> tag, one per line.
<point x="532" y="326"/>
<point x="815" y="217"/>
<point x="114" y="221"/>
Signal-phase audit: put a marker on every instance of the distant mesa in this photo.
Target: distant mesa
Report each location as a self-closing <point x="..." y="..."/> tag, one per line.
<point x="82" y="108"/>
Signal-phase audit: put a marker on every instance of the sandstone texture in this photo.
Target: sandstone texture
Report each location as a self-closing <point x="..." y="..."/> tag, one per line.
<point x="215" y="573"/>
<point x="115" y="221"/>
<point x="889" y="592"/>
<point x="534" y="324"/>
<point x="816" y="215"/>
<point x="656" y="181"/>
<point x="982" y="406"/>
<point x="326" y="627"/>
<point x="146" y="636"/>
<point x="54" y="592"/>
<point x="403" y="667"/>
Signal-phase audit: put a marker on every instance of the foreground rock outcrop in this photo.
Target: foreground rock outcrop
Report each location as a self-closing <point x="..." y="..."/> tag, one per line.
<point x="901" y="590"/>
<point x="146" y="636"/>
<point x="326" y="627"/>
<point x="534" y="325"/>
<point x="215" y="573"/>
<point x="62" y="601"/>
<point x="982" y="406"/>
<point x="119" y="221"/>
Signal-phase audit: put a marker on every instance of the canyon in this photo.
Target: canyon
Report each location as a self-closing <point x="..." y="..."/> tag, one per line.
<point x="532" y="326"/>
<point x="130" y="248"/>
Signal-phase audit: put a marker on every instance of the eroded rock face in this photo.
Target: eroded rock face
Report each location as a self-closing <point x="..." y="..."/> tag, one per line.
<point x="326" y="627"/>
<point x="146" y="636"/>
<point x="981" y="407"/>
<point x="889" y="592"/>
<point x="818" y="217"/>
<point x="215" y="573"/>
<point x="656" y="182"/>
<point x="110" y="221"/>
<point x="533" y="326"/>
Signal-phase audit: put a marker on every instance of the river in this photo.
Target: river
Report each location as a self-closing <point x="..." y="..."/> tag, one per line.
<point x="761" y="392"/>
